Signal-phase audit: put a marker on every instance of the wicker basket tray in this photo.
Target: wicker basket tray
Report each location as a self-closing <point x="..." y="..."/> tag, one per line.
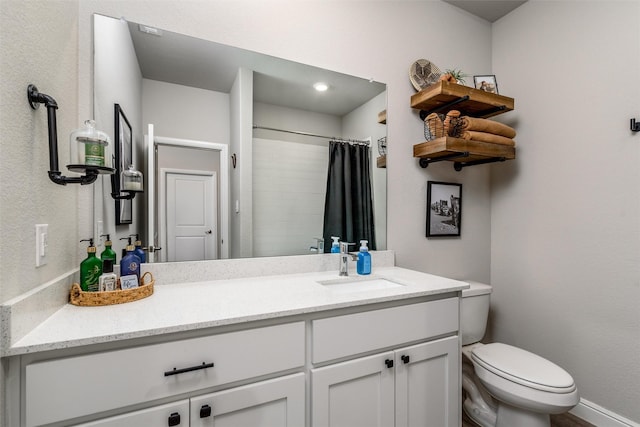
<point x="93" y="299"/>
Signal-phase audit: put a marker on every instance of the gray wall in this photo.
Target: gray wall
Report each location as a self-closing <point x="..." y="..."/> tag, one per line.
<point x="565" y="240"/>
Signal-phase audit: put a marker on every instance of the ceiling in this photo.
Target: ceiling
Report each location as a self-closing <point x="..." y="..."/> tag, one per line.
<point x="491" y="10"/>
<point x="179" y="59"/>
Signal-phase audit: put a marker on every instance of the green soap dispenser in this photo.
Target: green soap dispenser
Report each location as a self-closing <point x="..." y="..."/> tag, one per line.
<point x="90" y="269"/>
<point x="108" y="252"/>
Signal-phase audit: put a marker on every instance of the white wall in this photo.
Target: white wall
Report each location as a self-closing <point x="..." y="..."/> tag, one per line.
<point x="565" y="216"/>
<point x="184" y="112"/>
<point x="38" y="45"/>
<point x="120" y="84"/>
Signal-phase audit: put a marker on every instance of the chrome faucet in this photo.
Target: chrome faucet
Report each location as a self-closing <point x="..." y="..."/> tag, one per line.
<point x="344" y="258"/>
<point x="319" y="247"/>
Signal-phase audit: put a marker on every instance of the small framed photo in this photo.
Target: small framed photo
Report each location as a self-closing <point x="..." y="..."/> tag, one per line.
<point x="486" y="83"/>
<point x="444" y="209"/>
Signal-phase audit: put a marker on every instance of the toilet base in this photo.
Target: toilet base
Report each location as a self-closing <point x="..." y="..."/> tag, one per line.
<point x="509" y="416"/>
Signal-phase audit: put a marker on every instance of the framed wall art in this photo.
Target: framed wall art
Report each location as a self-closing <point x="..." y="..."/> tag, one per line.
<point x="123" y="158"/>
<point x="486" y="83"/>
<point x="444" y="209"/>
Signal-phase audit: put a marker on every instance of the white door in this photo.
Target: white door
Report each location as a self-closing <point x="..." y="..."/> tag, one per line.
<point x="357" y="393"/>
<point x="191" y="213"/>
<point x="172" y="414"/>
<point x="274" y="403"/>
<point x="427" y="381"/>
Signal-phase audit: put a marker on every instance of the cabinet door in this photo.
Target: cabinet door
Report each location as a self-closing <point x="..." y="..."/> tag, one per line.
<point x="172" y="414"/>
<point x="357" y="393"/>
<point x="427" y="384"/>
<point x="274" y="403"/>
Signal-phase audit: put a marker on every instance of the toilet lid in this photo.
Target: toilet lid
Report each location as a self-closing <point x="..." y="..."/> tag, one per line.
<point x="523" y="367"/>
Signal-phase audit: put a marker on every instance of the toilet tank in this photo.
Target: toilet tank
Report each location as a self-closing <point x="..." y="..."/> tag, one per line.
<point x="474" y="312"/>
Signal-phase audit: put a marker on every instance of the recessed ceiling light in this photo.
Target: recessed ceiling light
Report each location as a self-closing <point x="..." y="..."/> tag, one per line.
<point x="321" y="86"/>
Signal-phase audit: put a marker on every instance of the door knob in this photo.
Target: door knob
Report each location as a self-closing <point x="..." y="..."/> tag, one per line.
<point x="208" y="232"/>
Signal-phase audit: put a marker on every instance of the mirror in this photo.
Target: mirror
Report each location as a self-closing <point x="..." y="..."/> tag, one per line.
<point x="238" y="143"/>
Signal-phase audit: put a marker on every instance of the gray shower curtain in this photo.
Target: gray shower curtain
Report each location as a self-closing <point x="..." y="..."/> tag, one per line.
<point x="348" y="207"/>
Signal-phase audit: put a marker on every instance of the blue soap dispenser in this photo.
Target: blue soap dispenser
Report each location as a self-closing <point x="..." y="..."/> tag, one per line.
<point x="130" y="263"/>
<point x="138" y="248"/>
<point x="335" y="246"/>
<point x="363" y="266"/>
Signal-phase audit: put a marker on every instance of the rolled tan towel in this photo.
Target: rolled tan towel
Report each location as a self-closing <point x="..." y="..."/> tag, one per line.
<point x="450" y="121"/>
<point x="488" y="126"/>
<point x="436" y="127"/>
<point x="487" y="137"/>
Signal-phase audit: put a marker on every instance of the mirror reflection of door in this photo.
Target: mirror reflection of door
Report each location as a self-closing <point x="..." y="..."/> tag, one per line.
<point x="191" y="200"/>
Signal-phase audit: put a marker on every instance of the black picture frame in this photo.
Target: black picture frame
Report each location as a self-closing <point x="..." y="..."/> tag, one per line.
<point x="123" y="152"/>
<point x="487" y="83"/>
<point x="444" y="209"/>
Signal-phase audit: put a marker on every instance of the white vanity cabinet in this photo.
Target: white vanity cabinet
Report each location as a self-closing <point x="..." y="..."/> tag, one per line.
<point x="415" y="385"/>
<point x="383" y="362"/>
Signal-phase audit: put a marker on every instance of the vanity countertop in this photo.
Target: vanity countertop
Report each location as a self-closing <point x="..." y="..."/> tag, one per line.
<point x="190" y="306"/>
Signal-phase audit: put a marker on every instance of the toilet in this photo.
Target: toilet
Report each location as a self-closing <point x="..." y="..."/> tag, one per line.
<point x="505" y="386"/>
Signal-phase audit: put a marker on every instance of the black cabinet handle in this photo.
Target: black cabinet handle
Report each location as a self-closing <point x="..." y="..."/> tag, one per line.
<point x="205" y="411"/>
<point x="389" y="363"/>
<point x="192" y="368"/>
<point x="405" y="358"/>
<point x="174" y="419"/>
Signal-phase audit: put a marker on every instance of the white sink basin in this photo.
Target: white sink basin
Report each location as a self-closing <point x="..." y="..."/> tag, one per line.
<point x="359" y="284"/>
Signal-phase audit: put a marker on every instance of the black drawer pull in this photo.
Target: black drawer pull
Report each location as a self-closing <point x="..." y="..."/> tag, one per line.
<point x="174" y="419"/>
<point x="389" y="363"/>
<point x="205" y="411"/>
<point x="405" y="358"/>
<point x="193" y="368"/>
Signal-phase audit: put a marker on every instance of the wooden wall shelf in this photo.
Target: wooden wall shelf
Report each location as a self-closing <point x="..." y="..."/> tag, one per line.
<point x="441" y="97"/>
<point x="471" y="102"/>
<point x="463" y="152"/>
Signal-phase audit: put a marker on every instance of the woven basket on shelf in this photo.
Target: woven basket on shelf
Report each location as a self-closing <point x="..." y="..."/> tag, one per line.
<point x="93" y="299"/>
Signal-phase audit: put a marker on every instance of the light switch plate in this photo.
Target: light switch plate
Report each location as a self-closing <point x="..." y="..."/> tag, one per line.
<point x="42" y="242"/>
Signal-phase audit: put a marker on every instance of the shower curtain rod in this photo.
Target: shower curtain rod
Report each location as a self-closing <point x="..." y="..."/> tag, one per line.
<point x="332" y="138"/>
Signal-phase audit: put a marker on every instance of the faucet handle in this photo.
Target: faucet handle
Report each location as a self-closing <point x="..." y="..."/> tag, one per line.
<point x="344" y="247"/>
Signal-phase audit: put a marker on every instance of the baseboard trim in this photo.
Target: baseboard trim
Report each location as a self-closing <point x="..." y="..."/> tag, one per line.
<point x="599" y="416"/>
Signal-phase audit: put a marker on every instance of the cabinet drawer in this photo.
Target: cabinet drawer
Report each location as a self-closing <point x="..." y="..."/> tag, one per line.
<point x="158" y="416"/>
<point x="351" y="334"/>
<point x="66" y="388"/>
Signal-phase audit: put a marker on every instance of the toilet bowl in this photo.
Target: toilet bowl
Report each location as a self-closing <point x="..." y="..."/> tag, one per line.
<point x="505" y="385"/>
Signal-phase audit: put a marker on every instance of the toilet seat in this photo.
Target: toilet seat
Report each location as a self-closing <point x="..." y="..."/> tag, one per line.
<point x="522" y="367"/>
